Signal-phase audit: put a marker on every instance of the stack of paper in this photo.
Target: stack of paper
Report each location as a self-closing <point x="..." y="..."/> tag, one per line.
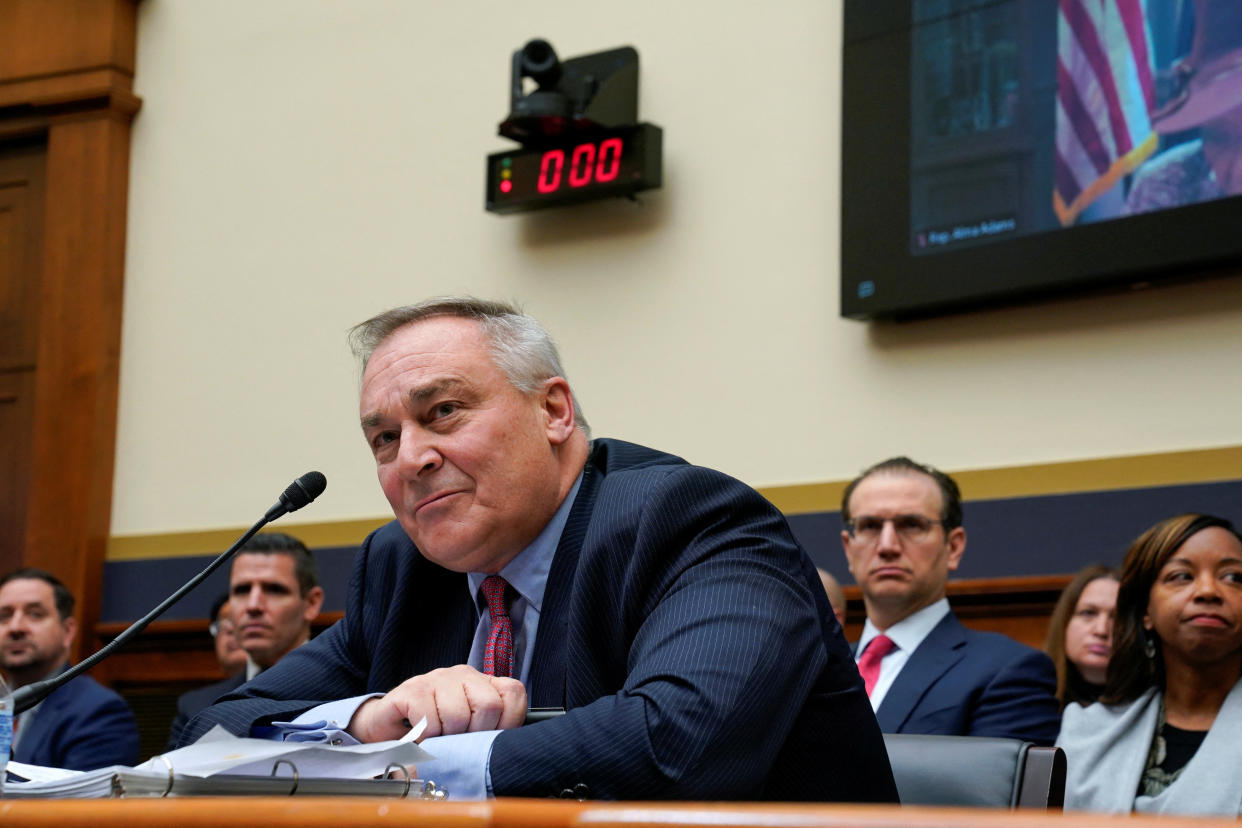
<point x="220" y="763"/>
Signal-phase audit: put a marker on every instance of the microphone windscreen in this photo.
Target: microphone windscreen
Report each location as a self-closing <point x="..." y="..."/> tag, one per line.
<point x="303" y="490"/>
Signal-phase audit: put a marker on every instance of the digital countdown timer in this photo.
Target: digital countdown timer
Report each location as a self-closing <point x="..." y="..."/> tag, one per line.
<point x="603" y="164"/>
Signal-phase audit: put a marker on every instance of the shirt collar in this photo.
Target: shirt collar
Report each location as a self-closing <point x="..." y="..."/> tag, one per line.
<point x="528" y="572"/>
<point x="909" y="632"/>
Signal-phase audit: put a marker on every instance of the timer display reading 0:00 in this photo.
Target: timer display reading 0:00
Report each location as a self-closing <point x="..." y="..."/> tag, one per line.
<point x="583" y="167"/>
<point x="621" y="162"/>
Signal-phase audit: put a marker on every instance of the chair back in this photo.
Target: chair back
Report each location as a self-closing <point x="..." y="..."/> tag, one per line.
<point x="976" y="771"/>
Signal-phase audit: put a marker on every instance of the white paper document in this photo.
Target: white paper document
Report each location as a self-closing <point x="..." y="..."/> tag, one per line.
<point x="219" y="752"/>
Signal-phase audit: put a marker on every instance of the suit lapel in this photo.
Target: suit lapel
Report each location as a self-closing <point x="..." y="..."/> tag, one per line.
<point x="444" y="605"/>
<point x="47" y="715"/>
<point x="940" y="650"/>
<point x="547" y="668"/>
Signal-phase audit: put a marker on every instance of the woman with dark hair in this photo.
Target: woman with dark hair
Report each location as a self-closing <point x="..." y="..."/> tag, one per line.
<point x="1080" y="634"/>
<point x="1166" y="735"/>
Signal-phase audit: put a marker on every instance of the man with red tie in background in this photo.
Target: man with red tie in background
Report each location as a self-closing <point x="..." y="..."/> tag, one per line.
<point x="924" y="671"/>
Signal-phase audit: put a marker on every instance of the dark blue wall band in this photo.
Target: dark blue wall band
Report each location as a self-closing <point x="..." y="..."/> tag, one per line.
<point x="1006" y="537"/>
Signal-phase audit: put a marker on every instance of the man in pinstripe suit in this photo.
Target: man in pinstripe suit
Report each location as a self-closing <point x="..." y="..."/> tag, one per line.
<point x="666" y="607"/>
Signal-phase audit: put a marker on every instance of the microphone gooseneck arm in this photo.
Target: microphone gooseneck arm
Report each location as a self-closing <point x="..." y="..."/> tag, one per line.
<point x="301" y="492"/>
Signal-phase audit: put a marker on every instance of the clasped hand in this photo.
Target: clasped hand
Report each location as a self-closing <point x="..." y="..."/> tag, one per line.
<point x="456" y="699"/>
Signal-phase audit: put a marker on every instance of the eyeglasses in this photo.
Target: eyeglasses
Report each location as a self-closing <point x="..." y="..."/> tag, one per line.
<point x="217" y="627"/>
<point x="868" y="528"/>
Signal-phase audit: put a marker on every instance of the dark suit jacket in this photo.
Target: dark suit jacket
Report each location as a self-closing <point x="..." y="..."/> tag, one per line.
<point x="192" y="702"/>
<point x="80" y="726"/>
<point x="960" y="682"/>
<point x="683" y="629"/>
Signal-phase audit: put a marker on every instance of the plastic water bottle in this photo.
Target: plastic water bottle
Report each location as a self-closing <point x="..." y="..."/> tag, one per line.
<point x="6" y="729"/>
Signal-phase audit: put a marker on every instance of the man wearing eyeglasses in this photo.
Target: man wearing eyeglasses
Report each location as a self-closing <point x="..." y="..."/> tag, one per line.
<point x="923" y="670"/>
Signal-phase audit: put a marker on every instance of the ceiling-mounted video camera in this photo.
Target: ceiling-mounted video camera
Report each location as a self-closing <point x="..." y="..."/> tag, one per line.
<point x="591" y="92"/>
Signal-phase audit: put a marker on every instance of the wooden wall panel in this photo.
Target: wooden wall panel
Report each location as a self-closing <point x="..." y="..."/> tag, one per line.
<point x="47" y="37"/>
<point x="21" y="232"/>
<point x="1018" y="607"/>
<point x="16" y="419"/>
<point x="74" y="436"/>
<point x="66" y="69"/>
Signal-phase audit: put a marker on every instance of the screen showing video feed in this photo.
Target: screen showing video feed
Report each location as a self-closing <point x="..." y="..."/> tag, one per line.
<point x="1028" y="117"/>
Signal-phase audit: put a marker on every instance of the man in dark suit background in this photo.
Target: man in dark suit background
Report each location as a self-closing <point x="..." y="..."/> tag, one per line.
<point x="274" y="595"/>
<point x="665" y="606"/>
<point x="80" y="725"/>
<point x="924" y="671"/>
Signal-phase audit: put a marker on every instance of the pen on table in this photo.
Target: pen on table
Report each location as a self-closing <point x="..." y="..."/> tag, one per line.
<point x="534" y="714"/>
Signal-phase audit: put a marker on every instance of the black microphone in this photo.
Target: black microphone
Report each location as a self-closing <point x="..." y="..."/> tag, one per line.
<point x="300" y="492"/>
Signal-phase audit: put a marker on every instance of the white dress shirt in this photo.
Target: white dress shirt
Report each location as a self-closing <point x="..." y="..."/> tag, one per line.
<point x="907" y="634"/>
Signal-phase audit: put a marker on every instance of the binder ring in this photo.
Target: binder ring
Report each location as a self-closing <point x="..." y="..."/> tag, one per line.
<point x="294" y="767"/>
<point x="404" y="772"/>
<point x="167" y="764"/>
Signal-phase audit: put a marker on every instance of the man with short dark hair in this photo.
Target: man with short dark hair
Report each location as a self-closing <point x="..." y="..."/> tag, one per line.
<point x="79" y="726"/>
<point x="924" y="671"/>
<point x="665" y="607"/>
<point x="274" y="595"/>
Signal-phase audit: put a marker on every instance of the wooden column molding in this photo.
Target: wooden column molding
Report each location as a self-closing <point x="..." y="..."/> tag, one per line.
<point x="66" y="76"/>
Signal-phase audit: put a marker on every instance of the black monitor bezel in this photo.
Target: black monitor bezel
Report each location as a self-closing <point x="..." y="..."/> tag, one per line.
<point x="1174" y="244"/>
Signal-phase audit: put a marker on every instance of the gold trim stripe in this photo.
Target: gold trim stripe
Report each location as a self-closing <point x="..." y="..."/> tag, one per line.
<point x="1132" y="472"/>
<point x="215" y="541"/>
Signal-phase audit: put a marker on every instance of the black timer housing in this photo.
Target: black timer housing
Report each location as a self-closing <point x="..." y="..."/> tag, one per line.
<point x="579" y="131"/>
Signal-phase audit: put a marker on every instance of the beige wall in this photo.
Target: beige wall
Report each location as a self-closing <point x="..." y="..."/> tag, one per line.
<point x="298" y="165"/>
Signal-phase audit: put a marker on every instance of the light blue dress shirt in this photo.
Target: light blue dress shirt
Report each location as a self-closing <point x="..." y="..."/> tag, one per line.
<point x="461" y="763"/>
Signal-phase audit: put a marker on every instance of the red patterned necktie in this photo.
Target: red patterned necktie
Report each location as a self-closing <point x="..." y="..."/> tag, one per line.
<point x="869" y="664"/>
<point x="498" y="656"/>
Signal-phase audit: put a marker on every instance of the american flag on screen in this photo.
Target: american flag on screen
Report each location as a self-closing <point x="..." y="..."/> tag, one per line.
<point x="1105" y="91"/>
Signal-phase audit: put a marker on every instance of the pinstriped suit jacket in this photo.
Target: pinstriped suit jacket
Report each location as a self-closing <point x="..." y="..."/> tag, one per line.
<point x="683" y="629"/>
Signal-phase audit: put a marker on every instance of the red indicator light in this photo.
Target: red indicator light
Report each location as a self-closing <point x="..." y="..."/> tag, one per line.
<point x="506" y="186"/>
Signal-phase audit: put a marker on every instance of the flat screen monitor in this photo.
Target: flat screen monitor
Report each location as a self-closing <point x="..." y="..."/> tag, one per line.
<point x="998" y="151"/>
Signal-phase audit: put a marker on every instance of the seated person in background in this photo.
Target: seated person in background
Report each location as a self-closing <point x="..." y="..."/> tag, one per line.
<point x="1166" y="735"/>
<point x="274" y="595"/>
<point x="836" y="595"/>
<point x="1080" y="634"/>
<point x="229" y="653"/>
<point x="666" y="607"/>
<point x="80" y="725"/>
<point x="232" y="660"/>
<point x="924" y="671"/>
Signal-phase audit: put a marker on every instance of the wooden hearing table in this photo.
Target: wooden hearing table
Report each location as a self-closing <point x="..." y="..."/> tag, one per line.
<point x="363" y="812"/>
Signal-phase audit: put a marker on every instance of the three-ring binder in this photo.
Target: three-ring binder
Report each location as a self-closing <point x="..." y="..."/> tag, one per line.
<point x="127" y="783"/>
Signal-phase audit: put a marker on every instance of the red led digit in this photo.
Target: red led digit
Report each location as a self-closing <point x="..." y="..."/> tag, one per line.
<point x="581" y="164"/>
<point x="608" y="173"/>
<point x="550" y="171"/>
